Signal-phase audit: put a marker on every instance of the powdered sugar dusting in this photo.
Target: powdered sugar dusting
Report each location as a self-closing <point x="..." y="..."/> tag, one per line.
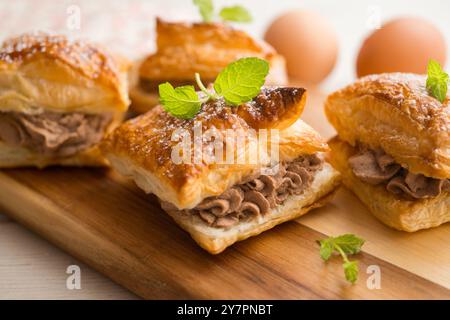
<point x="408" y="93"/>
<point x="89" y="59"/>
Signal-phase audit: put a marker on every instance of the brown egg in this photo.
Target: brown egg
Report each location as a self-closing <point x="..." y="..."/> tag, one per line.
<point x="307" y="41"/>
<point x="401" y="45"/>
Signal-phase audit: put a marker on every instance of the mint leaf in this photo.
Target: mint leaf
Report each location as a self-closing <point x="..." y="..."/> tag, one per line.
<point x="349" y="243"/>
<point x="437" y="81"/>
<point x="351" y="271"/>
<point x="236" y="14"/>
<point x="346" y="244"/>
<point x="181" y="102"/>
<point x="326" y="249"/>
<point x="206" y="9"/>
<point x="434" y="68"/>
<point x="241" y="80"/>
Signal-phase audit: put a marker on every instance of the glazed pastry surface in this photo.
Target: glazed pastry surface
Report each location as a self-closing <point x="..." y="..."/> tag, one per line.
<point x="146" y="141"/>
<point x="394" y="112"/>
<point x="207" y="48"/>
<point x="58" y="97"/>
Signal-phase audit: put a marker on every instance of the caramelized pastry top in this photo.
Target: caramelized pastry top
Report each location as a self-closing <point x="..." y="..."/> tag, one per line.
<point x="394" y="112"/>
<point x="61" y="63"/>
<point x="147" y="143"/>
<point x="206" y="48"/>
<point x="89" y="60"/>
<point x="406" y="93"/>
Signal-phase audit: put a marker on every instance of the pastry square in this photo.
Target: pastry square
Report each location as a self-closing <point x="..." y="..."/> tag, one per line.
<point x="186" y="48"/>
<point x="393" y="148"/>
<point x="58" y="97"/>
<point x="398" y="213"/>
<point x="221" y="203"/>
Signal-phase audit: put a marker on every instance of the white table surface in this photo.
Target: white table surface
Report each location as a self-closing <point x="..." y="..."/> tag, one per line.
<point x="32" y="268"/>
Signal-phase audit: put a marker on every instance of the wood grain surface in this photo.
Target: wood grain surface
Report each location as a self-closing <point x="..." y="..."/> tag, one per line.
<point x="32" y="268"/>
<point x="108" y="223"/>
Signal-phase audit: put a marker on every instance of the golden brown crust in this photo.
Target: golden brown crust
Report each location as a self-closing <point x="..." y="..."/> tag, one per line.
<point x="54" y="59"/>
<point x="146" y="142"/>
<point x="84" y="57"/>
<point x="394" y="112"/>
<point x="277" y="107"/>
<point x="142" y="101"/>
<point x="395" y="212"/>
<point x="184" y="49"/>
<point x="206" y="48"/>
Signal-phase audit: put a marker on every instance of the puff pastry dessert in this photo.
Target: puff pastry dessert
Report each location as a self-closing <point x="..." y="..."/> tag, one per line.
<point x="221" y="203"/>
<point x="184" y="49"/>
<point x="393" y="148"/>
<point x="58" y="98"/>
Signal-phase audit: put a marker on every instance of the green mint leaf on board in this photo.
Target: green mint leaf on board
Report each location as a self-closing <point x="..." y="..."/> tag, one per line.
<point x="326" y="249"/>
<point x="346" y="244"/>
<point x="235" y="14"/>
<point x="206" y="9"/>
<point x="437" y="81"/>
<point x="351" y="271"/>
<point x="349" y="243"/>
<point x="241" y="80"/>
<point x="181" y="102"/>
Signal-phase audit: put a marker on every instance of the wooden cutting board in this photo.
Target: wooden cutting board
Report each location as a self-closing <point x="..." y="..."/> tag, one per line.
<point x="107" y="222"/>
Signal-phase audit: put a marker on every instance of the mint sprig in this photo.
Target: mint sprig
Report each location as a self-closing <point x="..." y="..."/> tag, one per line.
<point x="181" y="102"/>
<point x="238" y="83"/>
<point x="344" y="245"/>
<point x="437" y="81"/>
<point x="206" y="9"/>
<point x="234" y="13"/>
<point x="241" y="80"/>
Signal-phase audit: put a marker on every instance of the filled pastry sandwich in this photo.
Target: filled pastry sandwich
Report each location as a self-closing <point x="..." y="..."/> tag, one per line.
<point x="185" y="48"/>
<point x="58" y="98"/>
<point x="221" y="202"/>
<point x="393" y="148"/>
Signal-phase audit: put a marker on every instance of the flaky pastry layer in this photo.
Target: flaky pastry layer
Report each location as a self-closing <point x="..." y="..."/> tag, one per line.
<point x="393" y="211"/>
<point x="48" y="72"/>
<point x="394" y="112"/>
<point x="215" y="240"/>
<point x="206" y="48"/>
<point x="145" y="144"/>
<point x="184" y="49"/>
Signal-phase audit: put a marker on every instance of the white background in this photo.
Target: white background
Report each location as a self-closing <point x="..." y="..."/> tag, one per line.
<point x="127" y="26"/>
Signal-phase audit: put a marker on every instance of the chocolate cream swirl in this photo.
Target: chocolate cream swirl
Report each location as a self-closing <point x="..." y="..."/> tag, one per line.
<point x="52" y="133"/>
<point x="376" y="167"/>
<point x="256" y="196"/>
